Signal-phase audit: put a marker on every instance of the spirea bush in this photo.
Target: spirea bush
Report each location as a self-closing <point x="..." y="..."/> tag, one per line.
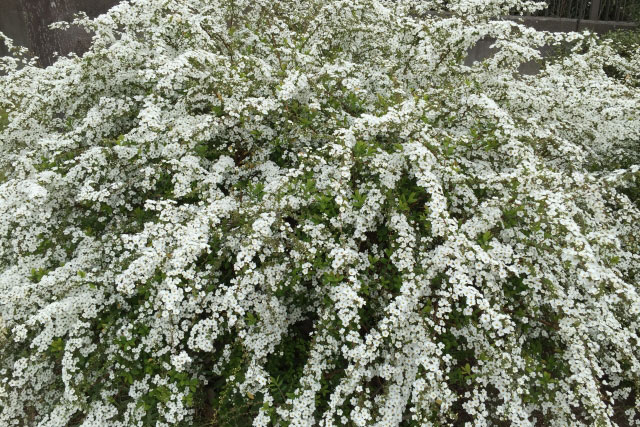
<point x="309" y="212"/>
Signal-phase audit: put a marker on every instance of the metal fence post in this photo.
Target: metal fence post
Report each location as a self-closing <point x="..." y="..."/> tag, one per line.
<point x="594" y="12"/>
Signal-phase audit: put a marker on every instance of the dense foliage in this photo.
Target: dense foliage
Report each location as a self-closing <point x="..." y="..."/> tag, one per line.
<point x="626" y="42"/>
<point x="310" y="212"/>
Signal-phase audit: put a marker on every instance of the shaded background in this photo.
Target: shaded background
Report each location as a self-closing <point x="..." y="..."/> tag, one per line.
<point x="27" y="21"/>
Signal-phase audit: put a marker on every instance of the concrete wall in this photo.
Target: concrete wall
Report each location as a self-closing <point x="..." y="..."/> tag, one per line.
<point x="482" y="49"/>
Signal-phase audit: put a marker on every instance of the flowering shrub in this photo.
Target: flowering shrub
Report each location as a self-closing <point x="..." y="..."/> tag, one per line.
<point x="311" y="212"/>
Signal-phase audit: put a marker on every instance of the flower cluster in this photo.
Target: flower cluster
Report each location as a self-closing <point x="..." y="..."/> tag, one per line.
<point x="316" y="213"/>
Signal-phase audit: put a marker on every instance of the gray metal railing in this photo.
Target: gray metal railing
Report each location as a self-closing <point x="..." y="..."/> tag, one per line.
<point x="595" y="10"/>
